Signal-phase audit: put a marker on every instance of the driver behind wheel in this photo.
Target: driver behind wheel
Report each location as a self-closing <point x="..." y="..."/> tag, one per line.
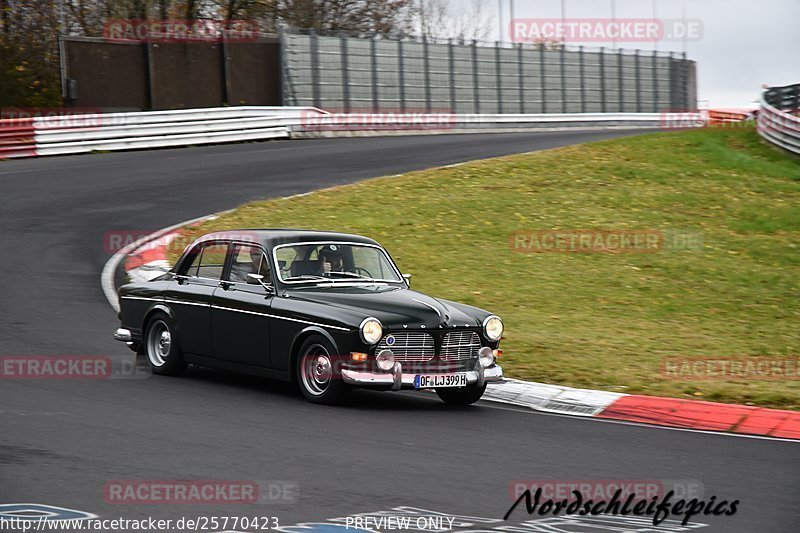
<point x="331" y="260"/>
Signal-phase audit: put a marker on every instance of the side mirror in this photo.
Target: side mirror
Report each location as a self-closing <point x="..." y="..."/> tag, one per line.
<point x="407" y="278"/>
<point x="258" y="278"/>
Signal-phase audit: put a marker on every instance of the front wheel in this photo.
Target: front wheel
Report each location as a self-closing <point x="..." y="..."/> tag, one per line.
<point x="462" y="395"/>
<point x="161" y="346"/>
<point x="317" y="375"/>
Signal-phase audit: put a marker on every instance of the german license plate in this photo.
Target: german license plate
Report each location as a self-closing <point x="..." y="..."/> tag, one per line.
<point x="439" y="381"/>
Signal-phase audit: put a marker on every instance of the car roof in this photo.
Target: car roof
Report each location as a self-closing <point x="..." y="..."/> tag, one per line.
<point x="271" y="237"/>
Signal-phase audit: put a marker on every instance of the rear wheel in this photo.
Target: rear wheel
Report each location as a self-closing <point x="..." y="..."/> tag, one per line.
<point x="317" y="376"/>
<point x="461" y="395"/>
<point x="161" y="346"/>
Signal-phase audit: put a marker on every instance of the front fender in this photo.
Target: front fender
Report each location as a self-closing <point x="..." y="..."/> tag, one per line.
<point x="311" y="330"/>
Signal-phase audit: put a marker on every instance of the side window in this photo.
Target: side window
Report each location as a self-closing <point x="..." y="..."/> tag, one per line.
<point x="368" y="261"/>
<point x="286" y="256"/>
<point x="249" y="259"/>
<point x="194" y="261"/>
<point x="212" y="261"/>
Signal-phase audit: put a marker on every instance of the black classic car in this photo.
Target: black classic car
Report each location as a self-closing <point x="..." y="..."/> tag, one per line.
<point x="326" y="310"/>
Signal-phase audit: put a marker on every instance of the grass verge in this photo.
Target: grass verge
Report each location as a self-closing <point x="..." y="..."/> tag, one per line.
<point x="599" y="320"/>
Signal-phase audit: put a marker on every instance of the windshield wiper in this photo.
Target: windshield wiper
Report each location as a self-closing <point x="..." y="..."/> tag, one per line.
<point x="349" y="275"/>
<point x="306" y="276"/>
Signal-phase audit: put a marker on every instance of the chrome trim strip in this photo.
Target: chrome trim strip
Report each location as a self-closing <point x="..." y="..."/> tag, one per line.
<point x="396" y="379"/>
<point x="239" y="310"/>
<point x="344" y="283"/>
<point x="429" y="305"/>
<point x="142" y="298"/>
<point x="181" y="302"/>
<point x="278" y="317"/>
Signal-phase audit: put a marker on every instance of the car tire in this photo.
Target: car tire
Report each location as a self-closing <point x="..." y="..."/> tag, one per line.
<point x="161" y="346"/>
<point x="318" y="376"/>
<point x="462" y="395"/>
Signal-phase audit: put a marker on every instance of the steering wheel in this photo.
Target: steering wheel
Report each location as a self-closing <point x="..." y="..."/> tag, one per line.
<point x="359" y="270"/>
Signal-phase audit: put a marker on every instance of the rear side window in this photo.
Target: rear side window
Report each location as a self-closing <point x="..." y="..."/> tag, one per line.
<point x="206" y="260"/>
<point x="248" y="259"/>
<point x="212" y="261"/>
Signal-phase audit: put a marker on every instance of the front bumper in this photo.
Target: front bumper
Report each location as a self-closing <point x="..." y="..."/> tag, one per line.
<point x="123" y="335"/>
<point x="396" y="379"/>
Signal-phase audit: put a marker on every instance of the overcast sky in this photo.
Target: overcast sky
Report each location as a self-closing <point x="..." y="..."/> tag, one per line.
<point x="744" y="44"/>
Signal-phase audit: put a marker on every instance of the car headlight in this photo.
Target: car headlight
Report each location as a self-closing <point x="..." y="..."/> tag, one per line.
<point x="371" y="330"/>
<point x="493" y="328"/>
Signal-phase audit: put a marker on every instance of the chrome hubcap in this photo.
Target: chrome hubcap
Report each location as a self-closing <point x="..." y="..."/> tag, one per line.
<point x="316" y="370"/>
<point x="159" y="341"/>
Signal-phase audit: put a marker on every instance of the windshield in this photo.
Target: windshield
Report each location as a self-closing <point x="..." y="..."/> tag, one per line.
<point x="334" y="261"/>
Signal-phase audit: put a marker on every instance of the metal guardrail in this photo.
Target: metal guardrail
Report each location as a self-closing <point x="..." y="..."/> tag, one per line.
<point x="357" y="124"/>
<point x="17" y="138"/>
<point x="81" y="133"/>
<point x="778" y="120"/>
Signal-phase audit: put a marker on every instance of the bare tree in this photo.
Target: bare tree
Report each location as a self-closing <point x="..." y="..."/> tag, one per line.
<point x="462" y="20"/>
<point x="383" y="17"/>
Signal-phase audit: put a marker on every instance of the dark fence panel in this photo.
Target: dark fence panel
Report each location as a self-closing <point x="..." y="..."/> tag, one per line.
<point x="111" y="76"/>
<point x="254" y="73"/>
<point x="131" y="75"/>
<point x="187" y="75"/>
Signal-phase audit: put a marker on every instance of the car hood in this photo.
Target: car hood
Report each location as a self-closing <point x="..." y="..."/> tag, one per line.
<point x="396" y="307"/>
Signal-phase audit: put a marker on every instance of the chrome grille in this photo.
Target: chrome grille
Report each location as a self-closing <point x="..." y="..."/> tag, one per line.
<point x="460" y="345"/>
<point x="409" y="346"/>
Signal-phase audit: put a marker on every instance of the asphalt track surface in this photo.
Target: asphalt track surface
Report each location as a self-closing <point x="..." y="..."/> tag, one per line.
<point x="62" y="441"/>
